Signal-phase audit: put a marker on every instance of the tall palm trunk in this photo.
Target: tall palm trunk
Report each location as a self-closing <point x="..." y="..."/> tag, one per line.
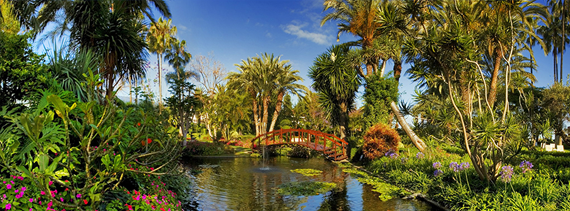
<point x="256" y="116"/>
<point x="397" y="70"/>
<point x="265" y="114"/>
<point x="555" y="53"/>
<point x="494" y="77"/>
<point x="278" y="108"/>
<point x="160" y="82"/>
<point x="383" y="67"/>
<point x="418" y="142"/>
<point x="563" y="44"/>
<point x="130" y="89"/>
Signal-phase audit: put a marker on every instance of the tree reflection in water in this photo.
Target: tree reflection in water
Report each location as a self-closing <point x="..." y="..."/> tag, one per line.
<point x="240" y="184"/>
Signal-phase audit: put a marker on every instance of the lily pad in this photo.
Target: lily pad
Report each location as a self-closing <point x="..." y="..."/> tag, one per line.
<point x="306" y="188"/>
<point x="208" y="166"/>
<point x="308" y="172"/>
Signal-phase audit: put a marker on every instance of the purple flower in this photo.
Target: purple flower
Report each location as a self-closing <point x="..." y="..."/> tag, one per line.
<point x="419" y="155"/>
<point x="454" y="166"/>
<point x="394" y="155"/>
<point x="437" y="172"/>
<point x="436" y="165"/>
<point x="78" y="196"/>
<point x="526" y="166"/>
<point x="463" y="166"/>
<point x="507" y="173"/>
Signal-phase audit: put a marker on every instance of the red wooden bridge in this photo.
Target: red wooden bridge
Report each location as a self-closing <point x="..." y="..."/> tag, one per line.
<point x="333" y="147"/>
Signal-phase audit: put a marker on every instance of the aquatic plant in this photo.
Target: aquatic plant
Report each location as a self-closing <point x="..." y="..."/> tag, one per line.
<point x="306" y="188"/>
<point x="308" y="172"/>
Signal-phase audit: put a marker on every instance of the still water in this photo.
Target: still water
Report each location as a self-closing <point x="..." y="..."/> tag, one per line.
<point x="250" y="184"/>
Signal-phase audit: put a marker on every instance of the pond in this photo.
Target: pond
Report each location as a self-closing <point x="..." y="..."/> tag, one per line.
<point x="250" y="184"/>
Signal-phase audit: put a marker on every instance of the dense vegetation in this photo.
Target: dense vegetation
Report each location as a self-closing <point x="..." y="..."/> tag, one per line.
<point x="67" y="141"/>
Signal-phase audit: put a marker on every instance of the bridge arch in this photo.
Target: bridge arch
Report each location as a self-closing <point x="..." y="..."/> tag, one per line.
<point x="332" y="147"/>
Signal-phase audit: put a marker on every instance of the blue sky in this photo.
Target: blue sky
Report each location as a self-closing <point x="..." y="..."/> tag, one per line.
<point x="233" y="30"/>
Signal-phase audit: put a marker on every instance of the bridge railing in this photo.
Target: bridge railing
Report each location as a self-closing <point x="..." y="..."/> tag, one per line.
<point x="313" y="139"/>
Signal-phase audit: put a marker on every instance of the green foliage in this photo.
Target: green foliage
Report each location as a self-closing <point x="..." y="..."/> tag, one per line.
<point x="306" y="188"/>
<point x="378" y="94"/>
<point x="540" y="188"/>
<point x="308" y="172"/>
<point x="207" y="148"/>
<point x="88" y="148"/>
<point x="182" y="104"/>
<point x="387" y="191"/>
<point x="21" y="71"/>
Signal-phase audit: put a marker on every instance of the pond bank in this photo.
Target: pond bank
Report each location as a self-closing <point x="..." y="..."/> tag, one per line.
<point x="412" y="196"/>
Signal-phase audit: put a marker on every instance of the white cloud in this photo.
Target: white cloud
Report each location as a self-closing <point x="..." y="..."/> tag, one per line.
<point x="184" y="28"/>
<point x="296" y="29"/>
<point x="268" y="35"/>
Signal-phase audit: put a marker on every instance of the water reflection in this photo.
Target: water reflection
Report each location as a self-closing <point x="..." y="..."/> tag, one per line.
<point x="243" y="184"/>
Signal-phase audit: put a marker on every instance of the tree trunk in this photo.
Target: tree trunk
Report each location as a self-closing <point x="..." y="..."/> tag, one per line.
<point x="130" y="89"/>
<point x="255" y="116"/>
<point x="418" y="142"/>
<point x="369" y="69"/>
<point x="160" y="83"/>
<point x="397" y="70"/>
<point x="383" y="68"/>
<point x="563" y="44"/>
<point x="136" y="93"/>
<point x="265" y="114"/>
<point x="277" y="110"/>
<point x="494" y="78"/>
<point x="555" y="53"/>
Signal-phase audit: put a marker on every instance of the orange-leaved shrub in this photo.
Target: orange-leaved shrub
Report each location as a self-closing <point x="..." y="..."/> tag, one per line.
<point x="378" y="140"/>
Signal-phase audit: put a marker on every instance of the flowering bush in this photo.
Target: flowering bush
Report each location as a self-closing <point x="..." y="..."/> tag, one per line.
<point x="507" y="173"/>
<point x="380" y="140"/>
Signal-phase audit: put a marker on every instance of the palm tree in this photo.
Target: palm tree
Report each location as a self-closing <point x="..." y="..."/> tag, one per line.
<point x="177" y="55"/>
<point x="358" y="17"/>
<point x="246" y="81"/>
<point x="336" y="83"/>
<point x="285" y="83"/>
<point x="262" y="77"/>
<point x="554" y="36"/>
<point x="501" y="15"/>
<point x="110" y="29"/>
<point x="159" y="38"/>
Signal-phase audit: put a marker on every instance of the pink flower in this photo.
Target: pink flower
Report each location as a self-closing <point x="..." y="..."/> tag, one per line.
<point x="9" y="186"/>
<point x="61" y="199"/>
<point x="50" y="183"/>
<point x="78" y="196"/>
<point x="31" y="200"/>
<point x="8" y="206"/>
<point x="23" y="188"/>
<point x="43" y="193"/>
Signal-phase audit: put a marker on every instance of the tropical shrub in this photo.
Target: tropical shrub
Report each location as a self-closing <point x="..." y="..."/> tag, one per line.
<point x="207" y="148"/>
<point x="378" y="95"/>
<point x="86" y="149"/>
<point x="379" y="140"/>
